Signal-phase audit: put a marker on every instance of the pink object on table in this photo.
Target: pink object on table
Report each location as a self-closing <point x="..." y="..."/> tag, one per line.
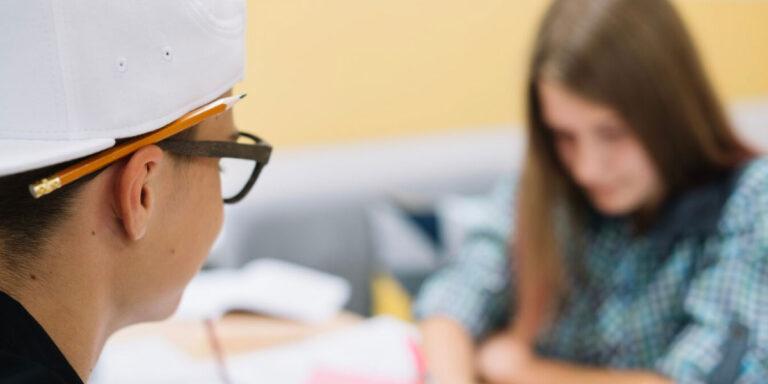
<point x="331" y="377"/>
<point x="326" y="376"/>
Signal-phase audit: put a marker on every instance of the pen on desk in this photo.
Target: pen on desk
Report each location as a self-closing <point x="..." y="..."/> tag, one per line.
<point x="217" y="351"/>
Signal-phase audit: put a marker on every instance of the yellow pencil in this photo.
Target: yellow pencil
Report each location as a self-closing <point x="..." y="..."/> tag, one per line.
<point x="103" y="159"/>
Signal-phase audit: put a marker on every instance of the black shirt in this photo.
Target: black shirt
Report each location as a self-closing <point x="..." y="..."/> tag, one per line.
<point x="27" y="353"/>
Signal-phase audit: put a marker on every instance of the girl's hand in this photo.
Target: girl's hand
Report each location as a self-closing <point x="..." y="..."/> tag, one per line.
<point x="504" y="358"/>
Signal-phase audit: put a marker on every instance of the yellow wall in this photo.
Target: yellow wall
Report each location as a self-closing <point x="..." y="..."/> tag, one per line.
<point x="330" y="70"/>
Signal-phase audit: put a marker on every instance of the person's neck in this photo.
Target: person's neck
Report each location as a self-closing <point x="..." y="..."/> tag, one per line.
<point x="72" y="306"/>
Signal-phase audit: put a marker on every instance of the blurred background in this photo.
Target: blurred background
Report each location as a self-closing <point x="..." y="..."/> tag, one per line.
<point x="391" y="121"/>
<point x="389" y="117"/>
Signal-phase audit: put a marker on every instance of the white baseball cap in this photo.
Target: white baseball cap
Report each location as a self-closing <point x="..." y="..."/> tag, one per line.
<point x="78" y="74"/>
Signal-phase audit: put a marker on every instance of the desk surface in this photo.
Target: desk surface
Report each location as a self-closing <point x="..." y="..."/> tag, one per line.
<point x="236" y="332"/>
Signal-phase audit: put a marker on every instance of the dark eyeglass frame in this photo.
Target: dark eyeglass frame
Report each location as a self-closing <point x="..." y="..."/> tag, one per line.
<point x="259" y="152"/>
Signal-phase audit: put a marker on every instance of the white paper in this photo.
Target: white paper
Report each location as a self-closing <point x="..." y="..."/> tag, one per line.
<point x="378" y="349"/>
<point x="266" y="286"/>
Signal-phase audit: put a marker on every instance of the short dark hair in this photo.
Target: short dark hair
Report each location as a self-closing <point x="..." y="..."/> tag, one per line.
<point x="26" y="223"/>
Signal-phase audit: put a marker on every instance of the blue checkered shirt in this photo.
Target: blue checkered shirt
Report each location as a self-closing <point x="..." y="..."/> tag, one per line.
<point x="688" y="299"/>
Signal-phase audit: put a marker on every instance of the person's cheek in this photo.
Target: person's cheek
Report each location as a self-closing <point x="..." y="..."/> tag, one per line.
<point x="217" y="204"/>
<point x="209" y="206"/>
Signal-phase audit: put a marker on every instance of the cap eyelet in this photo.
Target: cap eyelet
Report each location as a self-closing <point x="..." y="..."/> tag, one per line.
<point x="122" y="64"/>
<point x="167" y="54"/>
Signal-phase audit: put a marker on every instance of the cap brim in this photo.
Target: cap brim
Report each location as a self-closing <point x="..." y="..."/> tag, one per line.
<point x="26" y="155"/>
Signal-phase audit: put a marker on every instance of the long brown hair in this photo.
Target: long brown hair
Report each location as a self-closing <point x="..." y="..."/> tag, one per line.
<point x="636" y="57"/>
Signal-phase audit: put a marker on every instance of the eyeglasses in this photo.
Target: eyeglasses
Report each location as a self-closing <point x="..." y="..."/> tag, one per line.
<point x="257" y="151"/>
<point x="240" y="165"/>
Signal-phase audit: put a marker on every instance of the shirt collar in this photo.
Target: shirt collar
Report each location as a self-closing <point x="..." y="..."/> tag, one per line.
<point x="23" y="336"/>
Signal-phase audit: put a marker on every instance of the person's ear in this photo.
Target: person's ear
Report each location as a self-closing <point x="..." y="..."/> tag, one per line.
<point x="134" y="194"/>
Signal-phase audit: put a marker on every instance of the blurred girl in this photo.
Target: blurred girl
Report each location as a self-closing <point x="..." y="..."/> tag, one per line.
<point x="639" y="243"/>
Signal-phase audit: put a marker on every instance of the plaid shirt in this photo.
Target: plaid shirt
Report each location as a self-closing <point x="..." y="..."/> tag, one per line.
<point x="688" y="299"/>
